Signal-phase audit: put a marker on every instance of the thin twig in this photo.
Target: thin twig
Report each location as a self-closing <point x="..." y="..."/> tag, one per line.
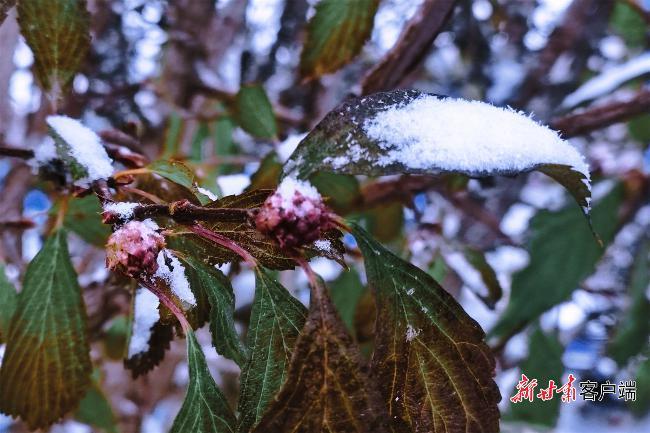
<point x="601" y="117"/>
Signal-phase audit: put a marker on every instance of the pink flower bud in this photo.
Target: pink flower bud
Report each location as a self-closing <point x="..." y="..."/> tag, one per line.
<point x="133" y="248"/>
<point x="294" y="214"/>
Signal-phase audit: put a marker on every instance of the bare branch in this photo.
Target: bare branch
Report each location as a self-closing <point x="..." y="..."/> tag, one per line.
<point x="600" y="117"/>
<point x="411" y="47"/>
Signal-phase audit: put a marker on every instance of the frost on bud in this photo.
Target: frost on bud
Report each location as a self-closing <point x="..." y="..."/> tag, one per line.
<point x="294" y="214"/>
<point x="133" y="249"/>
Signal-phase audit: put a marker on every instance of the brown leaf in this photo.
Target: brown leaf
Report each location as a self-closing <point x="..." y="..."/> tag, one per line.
<point x="57" y="31"/>
<point x="326" y="389"/>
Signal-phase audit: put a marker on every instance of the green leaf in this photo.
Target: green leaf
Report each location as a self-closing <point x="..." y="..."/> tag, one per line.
<point x="46" y="368"/>
<point x="276" y="320"/>
<point x="544" y="363"/>
<point x="632" y="334"/>
<point x="341" y="143"/>
<point x="562" y="254"/>
<point x="205" y="409"/>
<point x="218" y="289"/>
<point x="116" y="338"/>
<point x="58" y="33"/>
<point x="629" y="24"/>
<point x="173" y="135"/>
<point x="95" y="410"/>
<point x="341" y="191"/>
<point x="254" y="113"/>
<point x="268" y="174"/>
<point x="434" y="370"/>
<point x="223" y="144"/>
<point x="336" y="34"/>
<point x="180" y="174"/>
<point x="346" y="292"/>
<point x="477" y="259"/>
<point x="385" y="221"/>
<point x="639" y="128"/>
<point x="8" y="302"/>
<point x="196" y="146"/>
<point x="83" y="217"/>
<point x="325" y="389"/>
<point x="641" y="406"/>
<point x="5" y="6"/>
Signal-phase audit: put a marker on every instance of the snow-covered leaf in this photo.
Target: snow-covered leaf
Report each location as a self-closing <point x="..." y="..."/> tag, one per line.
<point x="80" y="148"/>
<point x="276" y="320"/>
<point x="441" y="370"/>
<point x="336" y="34"/>
<point x="406" y="131"/>
<point x="205" y="409"/>
<point x="58" y="33"/>
<point x="254" y="112"/>
<point x="562" y="254"/>
<point x="8" y="301"/>
<point x="46" y="368"/>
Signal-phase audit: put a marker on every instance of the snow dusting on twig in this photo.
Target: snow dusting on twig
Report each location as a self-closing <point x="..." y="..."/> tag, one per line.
<point x="172" y="272"/>
<point x="469" y="136"/>
<point x="84" y="146"/>
<point x="609" y="80"/>
<point x="122" y="209"/>
<point x="145" y="315"/>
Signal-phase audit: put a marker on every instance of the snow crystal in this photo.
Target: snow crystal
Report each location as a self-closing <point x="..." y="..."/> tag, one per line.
<point x="174" y="275"/>
<point x="609" y="80"/>
<point x="151" y="224"/>
<point x="45" y="152"/>
<point x="290" y="186"/>
<point x="206" y="192"/>
<point x="469" y="136"/>
<point x="411" y="332"/>
<point x="85" y="146"/>
<point x="323" y="245"/>
<point x="145" y="315"/>
<point x="124" y="209"/>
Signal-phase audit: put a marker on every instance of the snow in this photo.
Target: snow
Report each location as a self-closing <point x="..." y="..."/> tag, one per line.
<point x="206" y="192"/>
<point x="469" y="136"/>
<point x="290" y="188"/>
<point x="85" y="147"/>
<point x="286" y="148"/>
<point x="145" y="315"/>
<point x="174" y="275"/>
<point x="124" y="209"/>
<point x="45" y="151"/>
<point x="609" y="80"/>
<point x="323" y="245"/>
<point x="233" y="184"/>
<point x="411" y="333"/>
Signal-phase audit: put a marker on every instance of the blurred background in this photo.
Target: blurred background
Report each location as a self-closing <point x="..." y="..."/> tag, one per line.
<point x="159" y="76"/>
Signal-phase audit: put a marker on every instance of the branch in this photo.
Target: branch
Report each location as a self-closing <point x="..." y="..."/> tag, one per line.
<point x="411" y="47"/>
<point x="600" y="117"/>
<point x="16" y="152"/>
<point x="181" y="211"/>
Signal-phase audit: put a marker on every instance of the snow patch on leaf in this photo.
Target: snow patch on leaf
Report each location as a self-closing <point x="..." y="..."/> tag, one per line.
<point x="145" y="315"/>
<point x="172" y="272"/>
<point x="469" y="136"/>
<point x="84" y="146"/>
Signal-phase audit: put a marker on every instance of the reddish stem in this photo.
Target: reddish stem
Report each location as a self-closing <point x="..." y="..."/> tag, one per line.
<point x="224" y="242"/>
<point x="169" y="303"/>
